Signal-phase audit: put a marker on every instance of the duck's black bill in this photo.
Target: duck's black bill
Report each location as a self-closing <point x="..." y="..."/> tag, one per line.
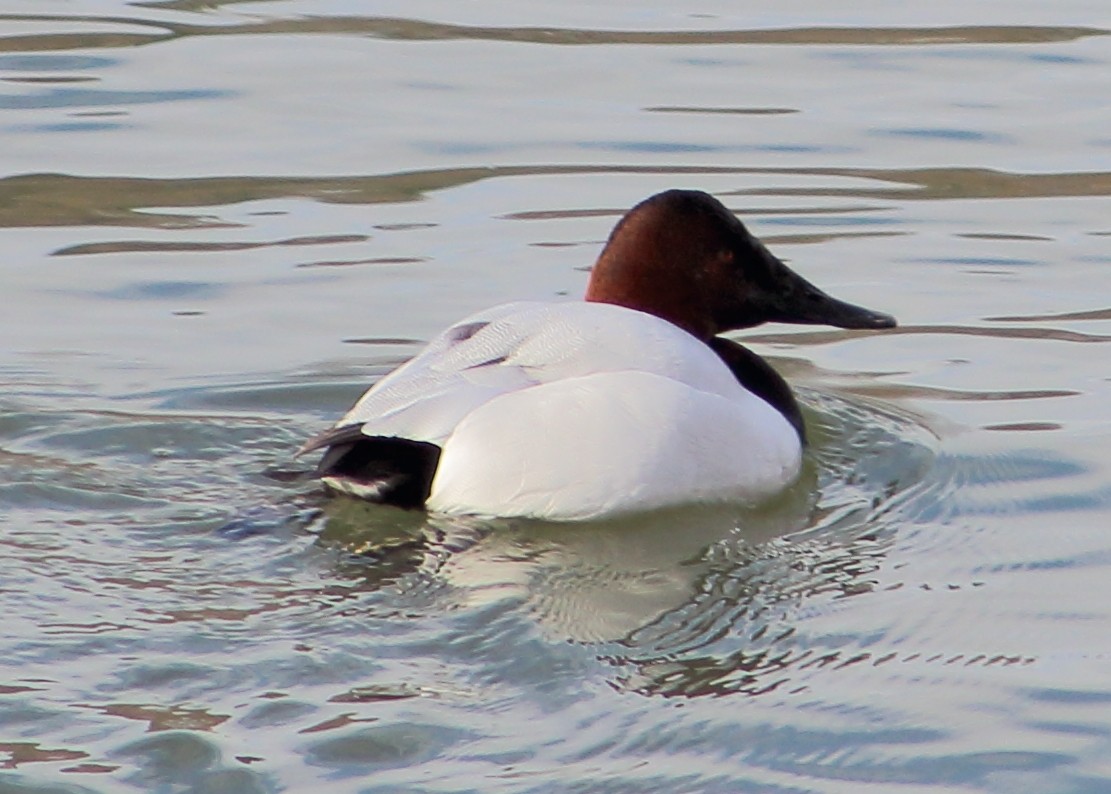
<point x="796" y="300"/>
<point x="823" y="309"/>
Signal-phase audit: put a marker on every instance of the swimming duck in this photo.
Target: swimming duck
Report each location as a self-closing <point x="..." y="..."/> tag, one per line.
<point x="623" y="402"/>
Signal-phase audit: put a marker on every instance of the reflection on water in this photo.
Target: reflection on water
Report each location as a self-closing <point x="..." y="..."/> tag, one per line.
<point x="56" y="199"/>
<point x="414" y="29"/>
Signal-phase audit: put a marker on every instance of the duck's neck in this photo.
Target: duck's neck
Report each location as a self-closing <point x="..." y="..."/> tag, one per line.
<point x="632" y="272"/>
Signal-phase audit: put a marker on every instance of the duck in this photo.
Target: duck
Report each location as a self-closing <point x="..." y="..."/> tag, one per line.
<point x="627" y="401"/>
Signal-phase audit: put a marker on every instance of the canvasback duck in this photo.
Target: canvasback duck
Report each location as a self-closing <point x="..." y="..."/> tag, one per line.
<point x="626" y="401"/>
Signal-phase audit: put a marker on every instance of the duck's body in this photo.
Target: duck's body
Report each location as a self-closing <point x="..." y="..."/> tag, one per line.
<point x="577" y="410"/>
<point x="572" y="411"/>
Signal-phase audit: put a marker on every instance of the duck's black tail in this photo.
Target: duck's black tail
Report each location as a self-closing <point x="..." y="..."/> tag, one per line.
<point x="395" y="471"/>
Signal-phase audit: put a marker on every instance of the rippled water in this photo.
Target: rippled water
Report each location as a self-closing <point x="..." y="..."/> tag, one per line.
<point x="221" y="220"/>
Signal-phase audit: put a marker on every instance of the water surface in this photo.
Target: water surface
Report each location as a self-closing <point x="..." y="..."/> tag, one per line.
<point x="221" y="221"/>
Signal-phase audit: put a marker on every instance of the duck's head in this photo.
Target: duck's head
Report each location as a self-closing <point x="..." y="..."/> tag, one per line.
<point x="682" y="256"/>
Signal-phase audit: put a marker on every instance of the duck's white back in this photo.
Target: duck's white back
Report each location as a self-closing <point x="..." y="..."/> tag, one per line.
<point x="519" y="345"/>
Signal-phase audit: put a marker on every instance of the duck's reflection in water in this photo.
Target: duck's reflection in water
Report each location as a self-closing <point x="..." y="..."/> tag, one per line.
<point x="589" y="582"/>
<point x="687" y="601"/>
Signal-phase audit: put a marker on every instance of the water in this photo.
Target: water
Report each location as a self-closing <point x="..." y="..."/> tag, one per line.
<point x="221" y="221"/>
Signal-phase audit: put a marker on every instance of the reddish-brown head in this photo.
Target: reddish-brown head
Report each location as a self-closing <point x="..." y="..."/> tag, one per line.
<point x="682" y="256"/>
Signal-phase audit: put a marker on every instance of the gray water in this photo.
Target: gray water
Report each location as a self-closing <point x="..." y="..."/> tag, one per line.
<point x="221" y="221"/>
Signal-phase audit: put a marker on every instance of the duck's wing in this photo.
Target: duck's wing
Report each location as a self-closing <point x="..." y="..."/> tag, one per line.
<point x="462" y="368"/>
<point x="340" y="434"/>
<point x="517" y="346"/>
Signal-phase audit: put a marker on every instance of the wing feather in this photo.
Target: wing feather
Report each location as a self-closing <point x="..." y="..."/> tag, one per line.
<point x="521" y="345"/>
